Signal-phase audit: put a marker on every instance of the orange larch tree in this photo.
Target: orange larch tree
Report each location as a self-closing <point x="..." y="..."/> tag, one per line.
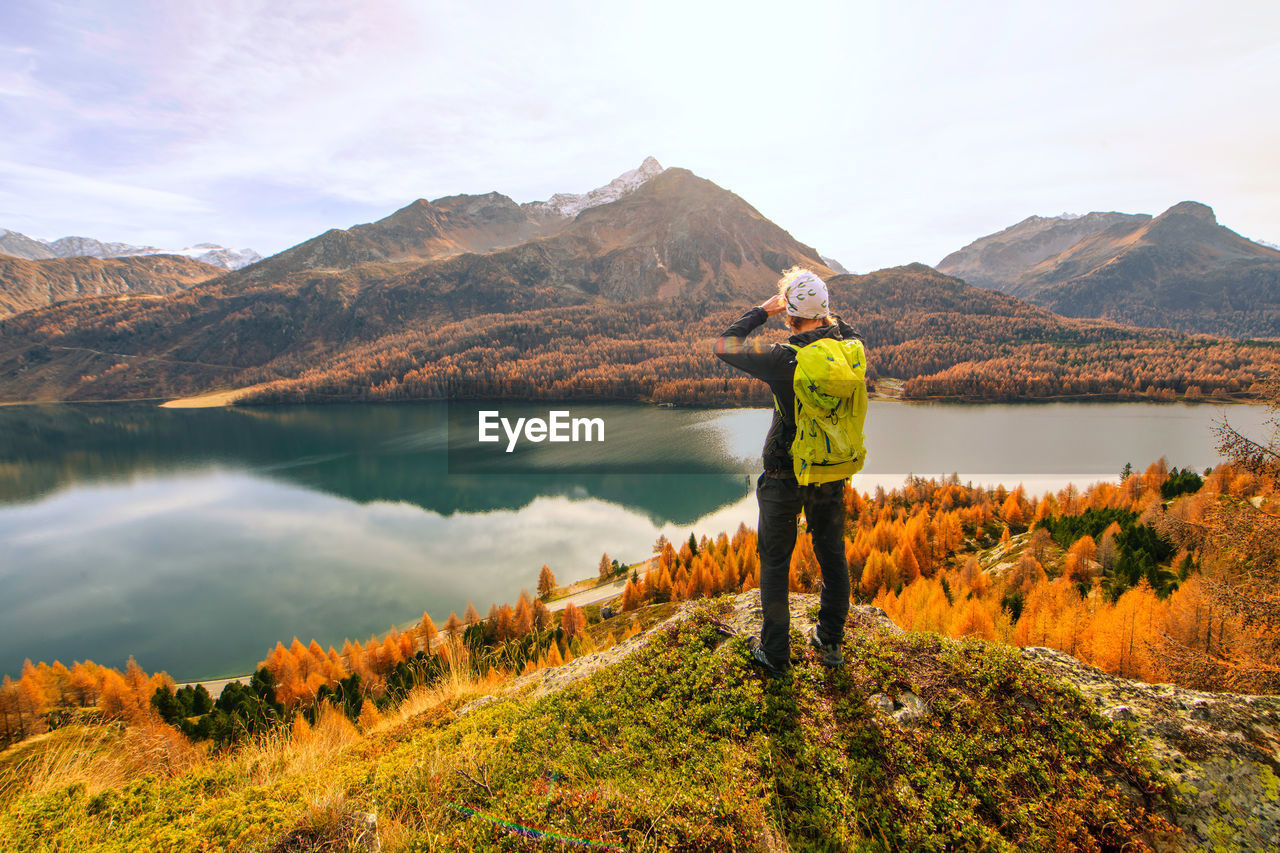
<point x="546" y="582"/>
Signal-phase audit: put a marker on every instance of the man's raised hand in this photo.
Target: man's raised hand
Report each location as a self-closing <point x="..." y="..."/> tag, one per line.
<point x="774" y="304"/>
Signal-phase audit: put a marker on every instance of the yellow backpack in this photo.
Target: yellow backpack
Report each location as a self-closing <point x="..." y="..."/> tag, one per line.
<point x="831" y="407"/>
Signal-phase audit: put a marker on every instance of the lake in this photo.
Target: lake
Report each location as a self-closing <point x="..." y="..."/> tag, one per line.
<point x="195" y="539"/>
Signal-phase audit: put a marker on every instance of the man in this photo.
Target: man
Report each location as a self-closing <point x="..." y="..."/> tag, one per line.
<point x="803" y="297"/>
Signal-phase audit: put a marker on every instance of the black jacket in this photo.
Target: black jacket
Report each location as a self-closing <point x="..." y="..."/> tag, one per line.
<point x="776" y="366"/>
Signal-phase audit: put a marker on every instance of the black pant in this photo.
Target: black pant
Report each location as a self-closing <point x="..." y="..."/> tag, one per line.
<point x="780" y="503"/>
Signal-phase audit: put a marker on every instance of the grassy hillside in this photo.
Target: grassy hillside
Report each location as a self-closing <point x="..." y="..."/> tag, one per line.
<point x="671" y="741"/>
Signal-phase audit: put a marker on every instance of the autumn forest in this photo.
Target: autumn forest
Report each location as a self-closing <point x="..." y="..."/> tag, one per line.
<point x="932" y="337"/>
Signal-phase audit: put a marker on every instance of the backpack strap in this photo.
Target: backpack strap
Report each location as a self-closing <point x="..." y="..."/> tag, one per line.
<point x="777" y="407"/>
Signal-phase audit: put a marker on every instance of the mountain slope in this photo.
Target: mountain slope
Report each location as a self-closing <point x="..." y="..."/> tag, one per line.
<point x="419" y="231"/>
<point x="997" y="261"/>
<point x="676" y="236"/>
<point x="452" y="225"/>
<point x="88" y="247"/>
<point x="946" y="339"/>
<point x="25" y="285"/>
<point x="18" y="245"/>
<point x="673" y="740"/>
<point x="622" y="302"/>
<point x="1181" y="270"/>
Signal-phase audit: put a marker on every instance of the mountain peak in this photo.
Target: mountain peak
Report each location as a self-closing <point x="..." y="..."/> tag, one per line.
<point x="571" y="204"/>
<point x="1191" y="208"/>
<point x="488" y="207"/>
<point x="1180" y="270"/>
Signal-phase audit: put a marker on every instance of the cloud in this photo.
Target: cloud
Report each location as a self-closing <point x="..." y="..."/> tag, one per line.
<point x="101" y="207"/>
<point x="858" y="127"/>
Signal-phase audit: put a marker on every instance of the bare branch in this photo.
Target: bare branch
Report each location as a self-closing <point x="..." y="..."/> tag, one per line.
<point x="474" y="781"/>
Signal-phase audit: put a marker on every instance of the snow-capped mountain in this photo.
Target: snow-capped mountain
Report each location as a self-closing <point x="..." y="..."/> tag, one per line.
<point x="835" y="265"/>
<point x="571" y="204"/>
<point x="87" y="247"/>
<point x="21" y="246"/>
<point x="35" y="249"/>
<point x="219" y="256"/>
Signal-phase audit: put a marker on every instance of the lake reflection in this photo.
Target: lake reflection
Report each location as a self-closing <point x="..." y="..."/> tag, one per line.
<point x="199" y="574"/>
<point x="196" y="539"/>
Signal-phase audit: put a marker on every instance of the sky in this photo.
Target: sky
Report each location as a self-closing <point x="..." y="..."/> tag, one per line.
<point x="880" y="133"/>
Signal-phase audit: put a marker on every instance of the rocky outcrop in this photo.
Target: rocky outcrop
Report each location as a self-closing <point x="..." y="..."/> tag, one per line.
<point x="1222" y="751"/>
<point x="17" y="245"/>
<point x="571" y="204"/>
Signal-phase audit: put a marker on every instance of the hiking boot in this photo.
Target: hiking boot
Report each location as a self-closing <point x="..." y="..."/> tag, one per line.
<point x="829" y="654"/>
<point x="760" y="658"/>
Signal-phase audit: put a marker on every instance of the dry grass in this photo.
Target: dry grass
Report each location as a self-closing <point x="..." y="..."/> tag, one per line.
<point x="456" y="688"/>
<point x="210" y="400"/>
<point x="308" y="761"/>
<point x="97" y="758"/>
<point x="332" y="818"/>
<point x="306" y="750"/>
<point x="330" y="822"/>
<point x="300" y="749"/>
<point x="394" y="836"/>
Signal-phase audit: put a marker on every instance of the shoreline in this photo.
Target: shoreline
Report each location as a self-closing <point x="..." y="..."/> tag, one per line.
<point x="594" y="595"/>
<point x="228" y="398"/>
<point x="209" y="400"/>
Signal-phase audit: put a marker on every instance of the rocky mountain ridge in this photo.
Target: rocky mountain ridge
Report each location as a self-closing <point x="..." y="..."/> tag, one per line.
<point x="1180" y="270"/>
<point x="34" y="249"/>
<point x="998" y="260"/>
<point x="451" y="225"/>
<point x="569" y="205"/>
<point x="391" y="310"/>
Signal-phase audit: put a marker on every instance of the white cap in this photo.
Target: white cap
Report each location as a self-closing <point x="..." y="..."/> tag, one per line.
<point x="806" y="296"/>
